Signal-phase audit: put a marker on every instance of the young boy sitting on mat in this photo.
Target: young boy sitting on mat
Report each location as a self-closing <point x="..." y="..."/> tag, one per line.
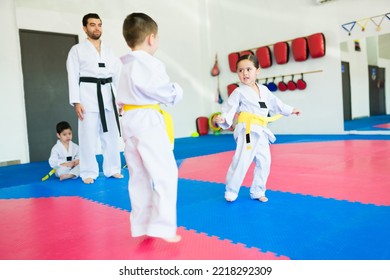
<point x="64" y="156"/>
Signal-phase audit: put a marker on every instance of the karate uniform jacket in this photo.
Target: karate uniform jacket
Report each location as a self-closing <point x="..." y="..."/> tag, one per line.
<point x="85" y="61"/>
<point x="244" y="99"/>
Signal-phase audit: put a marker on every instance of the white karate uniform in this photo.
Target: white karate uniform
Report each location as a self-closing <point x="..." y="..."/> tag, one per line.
<point x="245" y="99"/>
<point x="83" y="61"/>
<point x="148" y="152"/>
<point x="59" y="155"/>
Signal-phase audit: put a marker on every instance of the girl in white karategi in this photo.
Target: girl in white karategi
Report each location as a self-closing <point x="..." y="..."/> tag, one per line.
<point x="143" y="86"/>
<point x="64" y="156"/>
<point x="253" y="102"/>
<point x="92" y="66"/>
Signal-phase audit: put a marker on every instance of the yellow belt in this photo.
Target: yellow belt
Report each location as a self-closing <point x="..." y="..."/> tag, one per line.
<point x="167" y="117"/>
<point x="49" y="174"/>
<point x="249" y="119"/>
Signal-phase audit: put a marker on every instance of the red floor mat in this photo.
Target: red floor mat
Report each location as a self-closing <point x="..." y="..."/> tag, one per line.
<point x="72" y="228"/>
<point x="355" y="170"/>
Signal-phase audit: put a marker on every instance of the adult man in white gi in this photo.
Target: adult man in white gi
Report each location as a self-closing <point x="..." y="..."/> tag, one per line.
<point x="93" y="73"/>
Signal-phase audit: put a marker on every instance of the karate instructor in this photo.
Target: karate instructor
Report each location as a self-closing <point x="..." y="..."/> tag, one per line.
<point x="93" y="73"/>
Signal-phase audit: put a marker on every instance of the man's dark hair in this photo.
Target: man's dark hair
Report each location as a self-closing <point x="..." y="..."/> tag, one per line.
<point x="88" y="16"/>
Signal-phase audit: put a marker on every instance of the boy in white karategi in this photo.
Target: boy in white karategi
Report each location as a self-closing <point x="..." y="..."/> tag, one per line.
<point x="93" y="73"/>
<point x="143" y="86"/>
<point x="253" y="102"/>
<point x="64" y="156"/>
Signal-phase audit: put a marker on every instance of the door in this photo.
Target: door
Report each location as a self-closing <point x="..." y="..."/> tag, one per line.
<point x="346" y="81"/>
<point x="377" y="90"/>
<point x="46" y="88"/>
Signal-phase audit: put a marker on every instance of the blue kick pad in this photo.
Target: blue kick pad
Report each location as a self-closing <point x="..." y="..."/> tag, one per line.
<point x="300" y="227"/>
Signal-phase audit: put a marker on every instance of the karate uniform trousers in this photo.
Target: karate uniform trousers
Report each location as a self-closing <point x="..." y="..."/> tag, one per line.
<point x="259" y="154"/>
<point x="90" y="131"/>
<point x="153" y="180"/>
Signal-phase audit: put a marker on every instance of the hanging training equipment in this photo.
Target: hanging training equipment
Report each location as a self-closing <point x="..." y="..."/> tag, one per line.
<point x="281" y="52"/>
<point x="300" y="49"/>
<point x="220" y="100"/>
<point x="233" y="58"/>
<point x="282" y="86"/>
<point x="272" y="86"/>
<point x="316" y="44"/>
<point x="301" y="84"/>
<point x="215" y="70"/>
<point x="291" y="85"/>
<point x="264" y="56"/>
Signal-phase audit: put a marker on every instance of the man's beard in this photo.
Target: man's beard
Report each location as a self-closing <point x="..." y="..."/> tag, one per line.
<point x="95" y="36"/>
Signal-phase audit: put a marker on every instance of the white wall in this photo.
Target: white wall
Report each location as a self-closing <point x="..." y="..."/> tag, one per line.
<point x="191" y="33"/>
<point x="13" y="140"/>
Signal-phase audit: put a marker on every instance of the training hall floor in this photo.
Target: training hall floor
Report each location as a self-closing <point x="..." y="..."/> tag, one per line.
<point x="329" y="199"/>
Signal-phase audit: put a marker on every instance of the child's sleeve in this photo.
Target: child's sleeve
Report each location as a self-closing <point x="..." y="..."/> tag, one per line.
<point x="157" y="85"/>
<point x="54" y="159"/>
<point x="229" y="109"/>
<point x="278" y="107"/>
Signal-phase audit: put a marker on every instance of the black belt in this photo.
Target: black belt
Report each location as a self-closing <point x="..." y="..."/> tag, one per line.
<point x="99" y="83"/>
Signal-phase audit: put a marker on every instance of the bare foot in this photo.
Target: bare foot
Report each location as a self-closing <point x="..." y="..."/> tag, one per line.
<point x="66" y="176"/>
<point x="88" y="181"/>
<point x="175" y="239"/>
<point x="263" y="199"/>
<point x="117" y="176"/>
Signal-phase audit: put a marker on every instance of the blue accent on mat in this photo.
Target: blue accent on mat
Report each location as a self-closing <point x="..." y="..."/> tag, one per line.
<point x="367" y="123"/>
<point x="203" y="145"/>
